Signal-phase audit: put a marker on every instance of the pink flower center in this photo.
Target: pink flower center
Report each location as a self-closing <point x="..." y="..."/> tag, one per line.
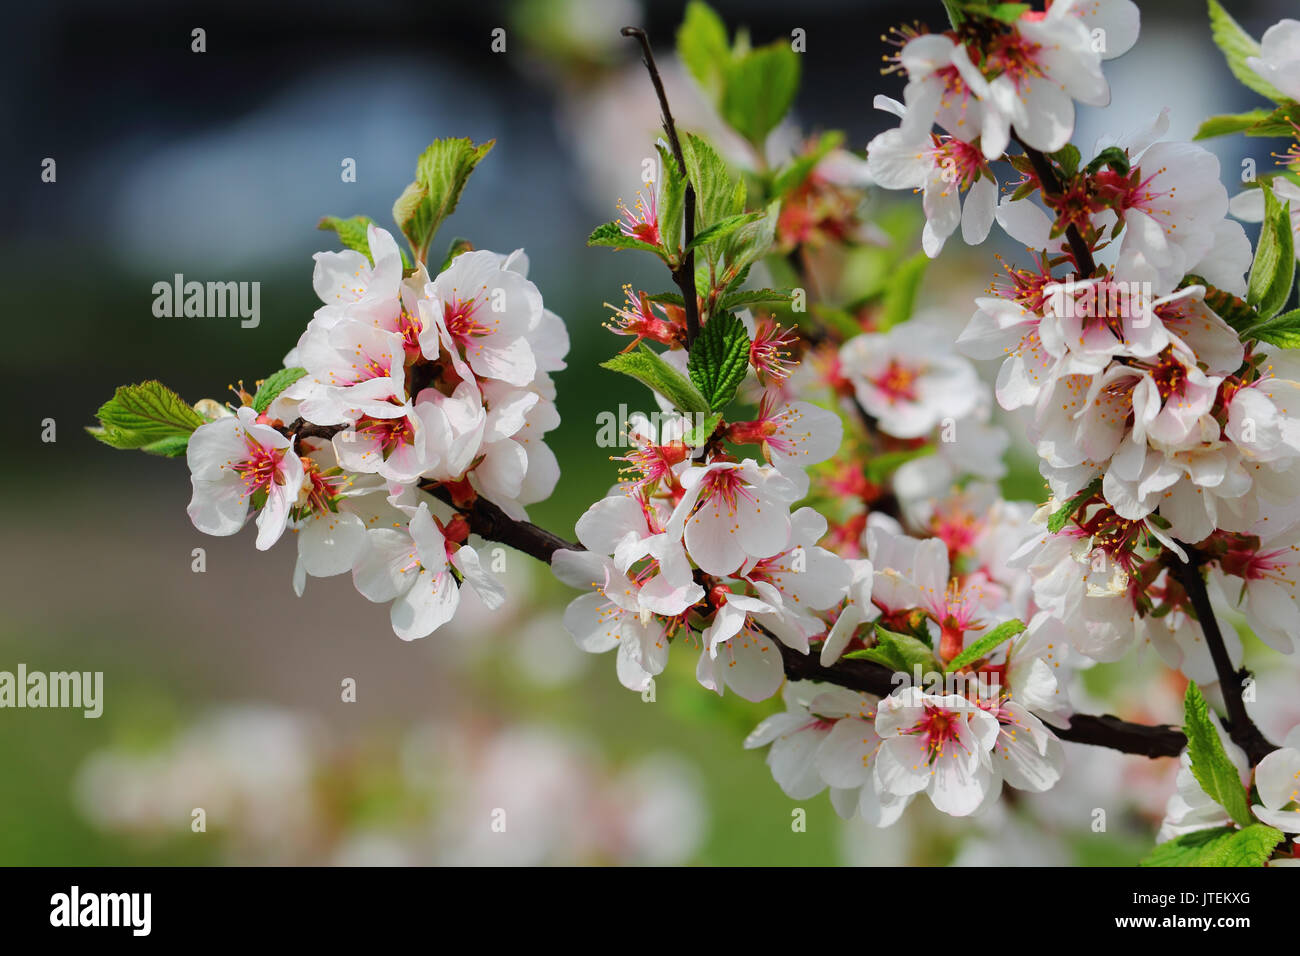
<point x="723" y="486"/>
<point x="388" y="432"/>
<point x="262" y="468"/>
<point x="937" y="728"/>
<point x="897" y="382"/>
<point x="460" y="316"/>
<point x="962" y="160"/>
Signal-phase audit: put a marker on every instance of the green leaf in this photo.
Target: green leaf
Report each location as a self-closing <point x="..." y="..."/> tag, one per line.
<point x="149" y="411"/>
<point x="1237" y="45"/>
<point x="880" y="467"/>
<point x="610" y="234"/>
<point x="1005" y="12"/>
<point x="751" y="242"/>
<point x="719" y="359"/>
<point x="1250" y="846"/>
<point x="351" y="232"/>
<point x="271" y="388"/>
<point x="986" y="644"/>
<point x="672" y="202"/>
<point x="1185" y="850"/>
<point x="1281" y="330"/>
<point x="720" y="230"/>
<point x="1062" y="515"/>
<point x="717" y="195"/>
<point x="1230" y="123"/>
<point x="173" y="447"/>
<point x="900" y="652"/>
<point x="702" y="46"/>
<point x="954" y="10"/>
<point x="758" y="90"/>
<point x="701" y="427"/>
<point x="793" y="174"/>
<point x="440" y="176"/>
<point x="647" y="367"/>
<point x="1273" y="272"/>
<point x="1277" y="123"/>
<point x="1068" y="158"/>
<point x="900" y="295"/>
<point x="1210" y="764"/>
<point x="747" y="297"/>
<point x="457" y="246"/>
<point x="1112" y="156"/>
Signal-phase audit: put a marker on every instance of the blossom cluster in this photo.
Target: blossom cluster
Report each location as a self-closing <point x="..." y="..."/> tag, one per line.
<point x="414" y="394"/>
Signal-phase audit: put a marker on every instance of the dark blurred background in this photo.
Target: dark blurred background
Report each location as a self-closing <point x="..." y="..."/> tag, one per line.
<point x="217" y="165"/>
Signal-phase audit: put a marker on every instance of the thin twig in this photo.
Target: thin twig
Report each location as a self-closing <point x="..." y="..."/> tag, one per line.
<point x="684" y="274"/>
<point x="1243" y="731"/>
<point x="1051" y="186"/>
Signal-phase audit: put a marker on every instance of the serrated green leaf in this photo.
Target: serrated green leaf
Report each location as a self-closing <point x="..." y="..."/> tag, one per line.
<point x="701" y="428"/>
<point x="672" y="203"/>
<point x="718" y="195"/>
<point x="719" y="359"/>
<point x="1281" y="330"/>
<point x="1230" y="123"/>
<point x="901" y="652"/>
<point x="647" y="367"/>
<point x="1232" y="309"/>
<point x="1273" y="272"/>
<point x="986" y="644"/>
<point x="702" y="46"/>
<point x="276" y="383"/>
<point x="747" y="297"/>
<point x="440" y="177"/>
<point x="149" y="411"/>
<point x="1250" y="846"/>
<point x="1062" y="515"/>
<point x="173" y="447"/>
<point x="900" y="295"/>
<point x="353" y="232"/>
<point x="758" y="90"/>
<point x="720" y="230"/>
<point x="1238" y="45"/>
<point x="1210" y="764"/>
<point x="1185" y="850"/>
<point x="610" y="234"/>
<point x="750" y="243"/>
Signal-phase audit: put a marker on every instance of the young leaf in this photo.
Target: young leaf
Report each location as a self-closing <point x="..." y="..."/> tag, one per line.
<point x="1249" y="846"/>
<point x="1061" y="516"/>
<point x="455" y="248"/>
<point x="751" y="242"/>
<point x="609" y="234"/>
<point x="1237" y="45"/>
<point x="719" y="359"/>
<point x="1112" y="156"/>
<point x="440" y="176"/>
<point x="1232" y="309"/>
<point x="701" y="428"/>
<point x="1210" y="764"/>
<point x="276" y="383"/>
<point x="908" y="651"/>
<point x="720" y="230"/>
<point x="748" y="297"/>
<point x="351" y="232"/>
<point x="148" y="412"/>
<point x="672" y="202"/>
<point x="1273" y="272"/>
<point x="1005" y="12"/>
<point x="1068" y="158"/>
<point x="794" y="173"/>
<point x="1281" y="330"/>
<point x="986" y="644"/>
<point x="1230" y="123"/>
<point x="1185" y="850"/>
<point x="759" y="88"/>
<point x="646" y="366"/>
<point x="702" y="46"/>
<point x="717" y="195"/>
<point x="173" y="447"/>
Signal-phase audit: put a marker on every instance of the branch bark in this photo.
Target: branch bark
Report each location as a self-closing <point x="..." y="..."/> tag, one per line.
<point x="1083" y="260"/>
<point x="1243" y="731"/>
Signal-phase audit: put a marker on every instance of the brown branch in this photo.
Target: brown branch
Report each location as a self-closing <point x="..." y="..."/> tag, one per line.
<point x="684" y="274"/>
<point x="488" y="521"/>
<point x="1243" y="731"/>
<point x="1051" y="186"/>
